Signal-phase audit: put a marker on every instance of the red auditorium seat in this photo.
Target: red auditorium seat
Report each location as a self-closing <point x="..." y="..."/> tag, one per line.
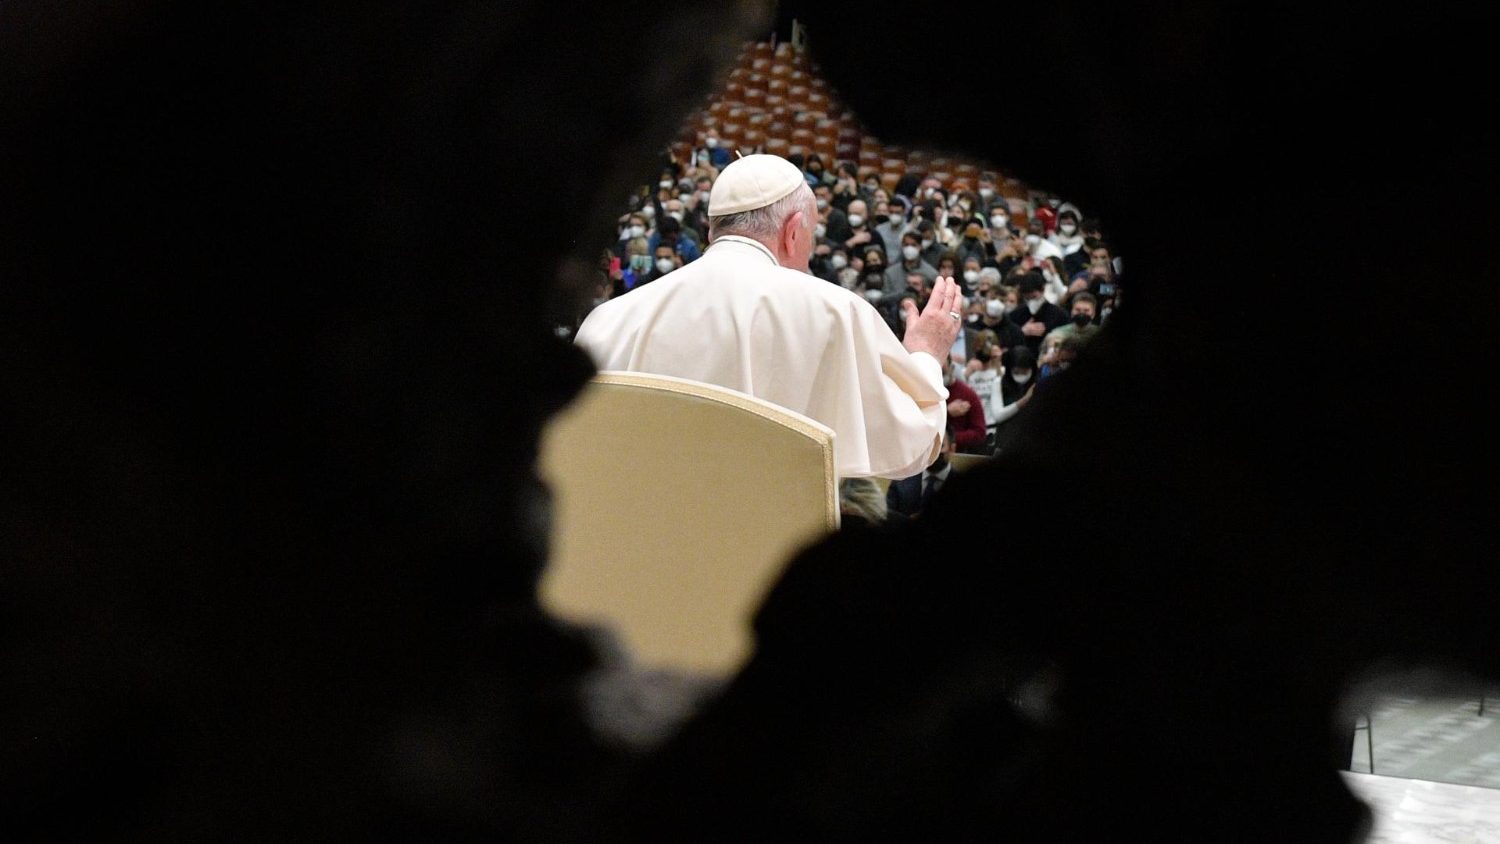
<point x="755" y="97"/>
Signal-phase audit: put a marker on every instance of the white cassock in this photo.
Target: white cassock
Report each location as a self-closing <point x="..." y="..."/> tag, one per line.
<point x="737" y="319"/>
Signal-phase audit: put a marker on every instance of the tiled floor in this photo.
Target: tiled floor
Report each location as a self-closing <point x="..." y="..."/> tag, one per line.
<point x="1442" y="739"/>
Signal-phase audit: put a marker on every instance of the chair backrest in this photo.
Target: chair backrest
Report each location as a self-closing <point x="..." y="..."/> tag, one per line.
<point x="676" y="506"/>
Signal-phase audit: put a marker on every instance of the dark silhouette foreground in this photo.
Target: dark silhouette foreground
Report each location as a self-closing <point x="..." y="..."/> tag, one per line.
<point x="274" y="288"/>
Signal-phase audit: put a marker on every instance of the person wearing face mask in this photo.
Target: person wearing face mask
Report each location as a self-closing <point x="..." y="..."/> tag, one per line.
<point x="1068" y="239"/>
<point x="749" y="317"/>
<point x="1082" y="320"/>
<point x="669" y="233"/>
<point x="994" y="318"/>
<point x="861" y="228"/>
<point x="634" y="228"/>
<point x="971" y="266"/>
<point x="930" y="243"/>
<point x="816" y="174"/>
<point x="835" y="221"/>
<point x="696" y="204"/>
<point x="820" y="265"/>
<point x="1017" y="381"/>
<point x="911" y="261"/>
<point x="1038" y="247"/>
<point x="663" y="260"/>
<point x="677" y="210"/>
<point x="718" y="153"/>
<point x="987" y="181"/>
<point x="894" y="226"/>
<point x="1036" y="316"/>
<point x="999" y="221"/>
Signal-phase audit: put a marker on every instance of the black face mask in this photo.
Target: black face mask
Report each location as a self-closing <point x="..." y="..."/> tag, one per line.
<point x="1081" y="320"/>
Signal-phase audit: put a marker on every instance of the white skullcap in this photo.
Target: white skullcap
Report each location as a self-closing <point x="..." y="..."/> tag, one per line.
<point x="754" y="181"/>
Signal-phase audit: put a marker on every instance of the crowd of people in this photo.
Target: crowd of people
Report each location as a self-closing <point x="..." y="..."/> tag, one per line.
<point x="1038" y="277"/>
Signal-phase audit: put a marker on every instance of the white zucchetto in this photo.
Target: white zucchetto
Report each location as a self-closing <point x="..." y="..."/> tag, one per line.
<point x="754" y="181"/>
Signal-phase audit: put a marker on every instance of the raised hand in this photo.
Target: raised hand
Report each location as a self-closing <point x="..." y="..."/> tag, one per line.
<point x="936" y="327"/>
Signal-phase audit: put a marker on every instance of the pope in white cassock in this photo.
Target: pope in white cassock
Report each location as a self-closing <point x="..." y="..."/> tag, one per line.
<point x="748" y="316"/>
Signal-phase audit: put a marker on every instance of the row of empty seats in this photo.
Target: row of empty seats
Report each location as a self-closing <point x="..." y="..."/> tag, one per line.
<point x="775" y="100"/>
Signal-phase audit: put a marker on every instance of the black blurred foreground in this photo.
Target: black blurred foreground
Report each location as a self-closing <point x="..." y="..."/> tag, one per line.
<point x="274" y="285"/>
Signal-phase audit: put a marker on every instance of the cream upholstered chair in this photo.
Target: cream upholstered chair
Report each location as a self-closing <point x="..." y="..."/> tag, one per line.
<point x="676" y="506"/>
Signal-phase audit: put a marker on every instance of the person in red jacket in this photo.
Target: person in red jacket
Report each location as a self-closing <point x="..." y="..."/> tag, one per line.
<point x="965" y="415"/>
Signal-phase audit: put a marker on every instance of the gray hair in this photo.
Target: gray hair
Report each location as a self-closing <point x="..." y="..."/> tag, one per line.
<point x="990" y="273"/>
<point x="862" y="497"/>
<point x="761" y="224"/>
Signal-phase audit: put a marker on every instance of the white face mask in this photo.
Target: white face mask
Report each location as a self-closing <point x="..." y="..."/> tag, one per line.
<point x="1068" y="229"/>
<point x="820" y="230"/>
<point x="986" y="193"/>
<point x="676" y="215"/>
<point x="1034" y="305"/>
<point x="927" y="244"/>
<point x="874" y="295"/>
<point x="1010" y="306"/>
<point x="1051" y="277"/>
<point x="711" y="143"/>
<point x="839" y="262"/>
<point x="1021" y="378"/>
<point x="664" y="265"/>
<point x="649" y="212"/>
<point x="665" y="183"/>
<point x="910" y="253"/>
<point x="636" y="231"/>
<point x="971" y="276"/>
<point x="998" y="221"/>
<point x="822" y="203"/>
<point x="994" y="308"/>
<point x="848" y="276"/>
<point x="684" y="197"/>
<point x="856" y="220"/>
<point x="1032" y="240"/>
